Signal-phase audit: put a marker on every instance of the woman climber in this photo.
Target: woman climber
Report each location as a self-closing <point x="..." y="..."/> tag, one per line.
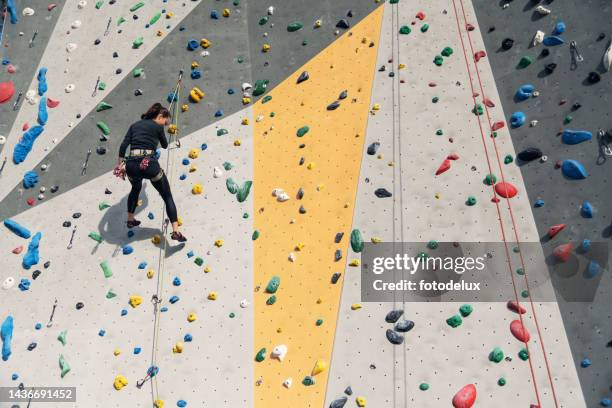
<point x="141" y="163"/>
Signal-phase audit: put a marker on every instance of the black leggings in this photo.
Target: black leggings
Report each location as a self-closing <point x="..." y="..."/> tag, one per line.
<point x="136" y="175"/>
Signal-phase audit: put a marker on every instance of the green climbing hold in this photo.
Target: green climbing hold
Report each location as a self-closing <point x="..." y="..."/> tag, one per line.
<point x="103" y="205"/>
<point x="136" y="6"/>
<point x="525" y="294"/>
<point x="62" y="337"/>
<point x="501" y="382"/>
<point x="466" y="310"/>
<point x="516" y="249"/>
<point x="273" y="284"/>
<point x="447" y="51"/>
<point x="255" y="235"/>
<point x="508" y="159"/>
<point x="523" y="354"/>
<point x="405" y="29"/>
<point x="99" y="4"/>
<point x="236" y="3"/>
<point x="319" y="322"/>
<point x="305" y="43"/>
<point x="198" y="261"/>
<point x="308" y="381"/>
<point x="103" y="127"/>
<point x="261" y="355"/>
<point x="471" y="200"/>
<point x="243" y="192"/>
<point x="155" y="18"/>
<point x="478" y="110"/>
<point x="106" y="269"/>
<point x="232" y="315"/>
<point x="422" y="255"/>
<point x="263" y="20"/>
<point x="245" y="215"/>
<point x="302" y="131"/>
<point x="138" y="72"/>
<point x="356" y="241"/>
<point x="432" y="244"/>
<point x="568" y="119"/>
<point x="110" y="294"/>
<point x="260" y="87"/>
<point x="525" y="62"/>
<point x="102" y="106"/>
<point x="271" y="300"/>
<point x="438" y="60"/>
<point x="64" y="367"/>
<point x="102" y="86"/>
<point x="138" y="42"/>
<point x="424" y="28"/>
<point x="496" y="355"/>
<point x="221" y="132"/>
<point x="393" y="1"/>
<point x="439" y="132"/>
<point x="435" y="99"/>
<point x="494" y="135"/>
<point x="232" y="186"/>
<point x="266" y="99"/>
<point x="240" y="59"/>
<point x="454" y="321"/>
<point x="95" y="236"/>
<point x="520" y="271"/>
<point x="490" y="179"/>
<point x="120" y="21"/>
<point x="227" y="166"/>
<point x="296" y="25"/>
<point x="423" y="386"/>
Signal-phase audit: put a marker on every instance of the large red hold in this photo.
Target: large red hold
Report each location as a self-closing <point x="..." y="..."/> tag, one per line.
<point x="519" y="331"/>
<point x="506" y="190"/>
<point x="7" y="90"/>
<point x="465" y="397"/>
<point x="562" y="252"/>
<point x="52" y="103"/>
<point x="443" y="167"/>
<point x="555" y="229"/>
<point x="515" y="307"/>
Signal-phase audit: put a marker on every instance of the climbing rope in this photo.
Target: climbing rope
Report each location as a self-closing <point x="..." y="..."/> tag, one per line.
<point x="157" y="298"/>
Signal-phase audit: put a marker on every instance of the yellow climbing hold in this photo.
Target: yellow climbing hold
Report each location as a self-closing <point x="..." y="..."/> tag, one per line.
<point x="116" y="352"/>
<point x="245" y="121"/>
<point x="376" y="107"/>
<point x="150" y="273"/>
<point x="226" y="12"/>
<point x="169" y="14"/>
<point x="184" y="107"/>
<point x="178" y="348"/>
<point x="194" y="153"/>
<point x="437" y="196"/>
<point x="135" y="300"/>
<point x="318" y="23"/>
<point x="212" y="296"/>
<point x="237" y="142"/>
<point x="376" y="240"/>
<point x="196" y="95"/>
<point x="205" y="43"/>
<point x="355" y="306"/>
<point x="172" y="129"/>
<point x="319" y="301"/>
<point x="159" y="33"/>
<point x="299" y="246"/>
<point x="196" y="189"/>
<point x="191" y="317"/>
<point x="193" y="168"/>
<point x="180" y="221"/>
<point x="401" y="66"/>
<point x="194" y="64"/>
<point x="246" y="100"/>
<point x="311" y="166"/>
<point x="265" y="48"/>
<point x="155" y="239"/>
<point x="207" y="269"/>
<point x="120" y="382"/>
<point x="319" y="367"/>
<point x="219" y="243"/>
<point x="354" y="262"/>
<point x="361" y="402"/>
<point x="159" y="403"/>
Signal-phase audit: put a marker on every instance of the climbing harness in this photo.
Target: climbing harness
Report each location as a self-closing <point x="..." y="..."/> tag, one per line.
<point x="72" y="237"/>
<point x="52" y="314"/>
<point x="576" y="56"/>
<point x="85" y="163"/>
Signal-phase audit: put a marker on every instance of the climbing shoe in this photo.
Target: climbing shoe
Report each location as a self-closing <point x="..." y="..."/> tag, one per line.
<point x="177" y="236"/>
<point x="133" y="223"/>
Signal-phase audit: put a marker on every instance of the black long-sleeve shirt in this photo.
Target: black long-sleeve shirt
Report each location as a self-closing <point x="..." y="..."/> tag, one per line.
<point x="144" y="134"/>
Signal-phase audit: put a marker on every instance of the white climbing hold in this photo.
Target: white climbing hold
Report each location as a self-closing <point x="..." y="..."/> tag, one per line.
<point x="204" y="53"/>
<point x="535" y="94"/>
<point x="70" y="124"/>
<point x="43" y="167"/>
<point x="291" y="257"/>
<point x="31" y="97"/>
<point x="270" y="10"/>
<point x="288" y="382"/>
<point x="544" y="159"/>
<point x="28" y="11"/>
<point x="76" y="24"/>
<point x="41" y="196"/>
<point x="279" y="352"/>
<point x="244" y="303"/>
<point x="43" y="189"/>
<point x="538" y="38"/>
<point x="259" y="118"/>
<point x="533" y="123"/>
<point x="70" y="47"/>
<point x="82" y="4"/>
<point x="8" y="283"/>
<point x="542" y="10"/>
<point x="217" y="172"/>
<point x="69" y="88"/>
<point x="246" y="86"/>
<point x="2" y="140"/>
<point x="607" y="57"/>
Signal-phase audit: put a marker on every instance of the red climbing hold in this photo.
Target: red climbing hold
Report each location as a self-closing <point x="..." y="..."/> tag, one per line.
<point x="465" y="397"/>
<point x="475" y="94"/>
<point x="443" y="167"/>
<point x="18" y="250"/>
<point x="7" y="90"/>
<point x="495" y="200"/>
<point x="488" y="102"/>
<point x="479" y="54"/>
<point x="469" y="27"/>
<point x="562" y="252"/>
<point x="52" y="103"/>
<point x="515" y="307"/>
<point x="519" y="331"/>
<point x="31" y="201"/>
<point x="51" y="6"/>
<point x="555" y="229"/>
<point x="420" y="15"/>
<point x="506" y="190"/>
<point x="497" y="125"/>
<point x="432" y="84"/>
<point x="453" y="156"/>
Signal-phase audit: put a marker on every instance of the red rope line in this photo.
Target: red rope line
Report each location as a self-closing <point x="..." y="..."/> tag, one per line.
<point x="497" y="204"/>
<point x="535" y="318"/>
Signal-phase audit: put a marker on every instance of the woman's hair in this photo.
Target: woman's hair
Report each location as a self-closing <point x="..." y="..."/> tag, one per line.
<point x="155" y="110"/>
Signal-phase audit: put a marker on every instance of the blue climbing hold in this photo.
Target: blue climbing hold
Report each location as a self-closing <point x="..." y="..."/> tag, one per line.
<point x="193" y="45"/>
<point x="151" y="216"/>
<point x="137" y="350"/>
<point x="15" y="376"/>
<point x="539" y="203"/>
<point x="559" y="28"/>
<point x="173" y="299"/>
<point x="38" y="326"/>
<point x="10" y="6"/>
<point x="214" y="15"/>
<point x="43" y="115"/>
<point x="185" y="161"/>
<point x="130" y="233"/>
<point x="181" y="403"/>
<point x="42" y="81"/>
<point x="24" y="284"/>
<point x="176" y="281"/>
<point x="188" y="337"/>
<point x="163" y="309"/>
<point x="586" y="244"/>
<point x="32" y="257"/>
<point x="182" y="176"/>
<point x="172" y="97"/>
<point x="585" y="363"/>
<point x="572" y="137"/>
<point x="524" y="92"/>
<point x="587" y="210"/>
<point x="127" y="250"/>
<point x="219" y="113"/>
<point x="123" y="312"/>
<point x="606" y="402"/>
<point x="157" y="154"/>
<point x="142" y="265"/>
<point x="6" y="61"/>
<point x="552" y="40"/>
<point x="204" y="146"/>
<point x="518" y="119"/>
<point x="574" y="170"/>
<point x="6" y="334"/>
<point x="30" y="179"/>
<point x="230" y="91"/>
<point x="18" y="229"/>
<point x="25" y="144"/>
<point x="592" y="269"/>
<point x="189" y="254"/>
<point x="195" y="74"/>
<point x="102" y="332"/>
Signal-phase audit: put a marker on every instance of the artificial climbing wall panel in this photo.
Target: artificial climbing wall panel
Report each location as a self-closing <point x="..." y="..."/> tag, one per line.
<point x="415" y="135"/>
<point x="297" y="235"/>
<point x="214" y="368"/>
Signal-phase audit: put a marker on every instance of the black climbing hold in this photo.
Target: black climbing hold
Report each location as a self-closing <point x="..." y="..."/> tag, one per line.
<point x="333" y="106"/>
<point x="303" y="77"/>
<point x="507" y="43"/>
<point x="335" y="277"/>
<point x="79" y="305"/>
<point x="343" y="24"/>
<point x="530" y="154"/>
<point x="301" y="146"/>
<point x="97" y="41"/>
<point x="66" y="224"/>
<point x="47" y="264"/>
<point x="115" y="54"/>
<point x="300" y="194"/>
<point x="404" y="326"/>
<point x="373" y="148"/>
<point x="337" y="255"/>
<point x="348" y="390"/>
<point x="391" y="74"/>
<point x="78" y="116"/>
<point x="107" y="191"/>
<point x="302" y="210"/>
<point x="601" y="36"/>
<point x="382" y="68"/>
<point x="394" y="338"/>
<point x="32" y="346"/>
<point x="491" y="29"/>
<point x="138" y="92"/>
<point x="36" y="274"/>
<point x="576" y="106"/>
<point x="545" y="52"/>
<point x="301" y="161"/>
<point x="338" y="237"/>
<point x="76" y="215"/>
<point x="349" y="13"/>
<point x="118" y="71"/>
<point x="593" y="77"/>
<point x="609" y="344"/>
<point x="343" y="94"/>
<point x="54" y="189"/>
<point x="382" y="193"/>
<point x="338" y="403"/>
<point x="101" y="150"/>
<point x="550" y="68"/>
<point x="393" y="316"/>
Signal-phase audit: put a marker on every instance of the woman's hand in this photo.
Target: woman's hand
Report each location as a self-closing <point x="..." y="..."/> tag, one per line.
<point x="119" y="170"/>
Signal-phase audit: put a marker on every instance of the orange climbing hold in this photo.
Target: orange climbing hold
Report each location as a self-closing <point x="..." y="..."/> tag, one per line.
<point x="562" y="252"/>
<point x="555" y="229"/>
<point x="506" y="190"/>
<point x="519" y="331"/>
<point x="443" y="167"/>
<point x="465" y="397"/>
<point x="7" y="90"/>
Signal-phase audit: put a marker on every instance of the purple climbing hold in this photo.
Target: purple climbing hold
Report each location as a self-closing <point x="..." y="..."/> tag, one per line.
<point x="574" y="170"/>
